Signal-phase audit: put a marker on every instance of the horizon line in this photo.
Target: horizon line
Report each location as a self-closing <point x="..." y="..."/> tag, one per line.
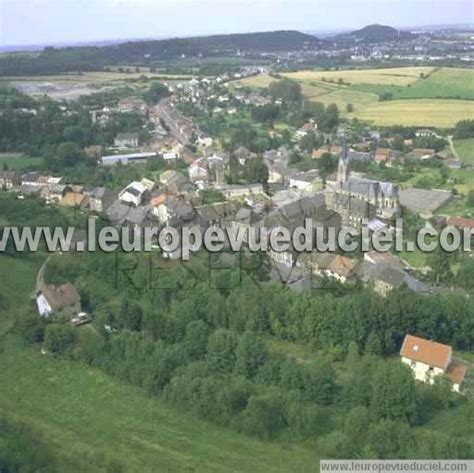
<point x="84" y="43"/>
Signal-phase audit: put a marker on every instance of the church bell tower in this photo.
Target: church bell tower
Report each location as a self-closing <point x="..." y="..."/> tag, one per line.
<point x="343" y="167"/>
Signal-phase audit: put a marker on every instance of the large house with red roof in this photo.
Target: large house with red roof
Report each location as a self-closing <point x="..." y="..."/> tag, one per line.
<point x="429" y="359"/>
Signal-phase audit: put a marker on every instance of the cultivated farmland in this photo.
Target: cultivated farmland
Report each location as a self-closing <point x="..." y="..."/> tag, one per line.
<point x="423" y="112"/>
<point x="395" y="76"/>
<point x="414" y="96"/>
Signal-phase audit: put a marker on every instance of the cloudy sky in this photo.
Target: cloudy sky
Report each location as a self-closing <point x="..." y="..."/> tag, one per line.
<point x="24" y="22"/>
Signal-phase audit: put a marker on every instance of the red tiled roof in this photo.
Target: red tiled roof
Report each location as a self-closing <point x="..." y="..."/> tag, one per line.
<point x="426" y="351"/>
<point x="461" y="222"/>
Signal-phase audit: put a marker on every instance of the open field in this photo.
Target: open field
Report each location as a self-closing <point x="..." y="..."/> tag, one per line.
<point x="343" y="96"/>
<point x="18" y="162"/>
<point x="424" y="112"/>
<point x="465" y="149"/>
<point x="441" y="98"/>
<point x="84" y="414"/>
<point x="88" y="77"/>
<point x="259" y="81"/>
<point x="393" y="76"/>
<point x="88" y="417"/>
<point x="447" y="82"/>
<point x="17" y="280"/>
<point x="72" y="86"/>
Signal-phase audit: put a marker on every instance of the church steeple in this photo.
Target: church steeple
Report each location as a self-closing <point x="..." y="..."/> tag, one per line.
<point x="343" y="167"/>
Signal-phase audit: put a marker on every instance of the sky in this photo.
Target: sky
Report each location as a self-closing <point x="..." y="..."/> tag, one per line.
<point x="42" y="22"/>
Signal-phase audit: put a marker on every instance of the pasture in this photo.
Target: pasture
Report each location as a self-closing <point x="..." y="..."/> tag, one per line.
<point x="18" y="162"/>
<point x="392" y="76"/>
<point x="465" y="150"/>
<point x="452" y="83"/>
<point x="90" y="418"/>
<point x="258" y="81"/>
<point x="423" y="112"/>
<point x="343" y="96"/>
<point x="86" y="415"/>
<point x="421" y="96"/>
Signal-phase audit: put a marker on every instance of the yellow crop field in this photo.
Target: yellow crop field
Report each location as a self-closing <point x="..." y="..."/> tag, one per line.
<point x="418" y="112"/>
<point x="260" y="80"/>
<point x="343" y="96"/>
<point x="89" y="77"/>
<point x="391" y="76"/>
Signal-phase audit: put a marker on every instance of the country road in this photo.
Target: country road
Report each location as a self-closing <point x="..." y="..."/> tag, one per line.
<point x="453" y="149"/>
<point x="40" y="276"/>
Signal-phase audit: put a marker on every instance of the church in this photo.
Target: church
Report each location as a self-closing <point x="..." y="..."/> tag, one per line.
<point x="357" y="198"/>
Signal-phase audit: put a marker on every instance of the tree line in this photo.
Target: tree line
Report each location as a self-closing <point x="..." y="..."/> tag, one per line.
<point x="205" y="351"/>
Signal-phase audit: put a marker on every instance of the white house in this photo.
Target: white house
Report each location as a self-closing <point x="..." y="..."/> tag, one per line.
<point x="235" y="191"/>
<point x="429" y="359"/>
<point x="133" y="193"/>
<point x="126" y="140"/>
<point x="306" y="181"/>
<point x="170" y="156"/>
<point x="63" y="298"/>
<point x="198" y="171"/>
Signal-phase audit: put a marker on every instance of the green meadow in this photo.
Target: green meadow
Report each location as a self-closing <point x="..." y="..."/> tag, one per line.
<point x="90" y="419"/>
<point x="18" y="162"/>
<point x="420" y="96"/>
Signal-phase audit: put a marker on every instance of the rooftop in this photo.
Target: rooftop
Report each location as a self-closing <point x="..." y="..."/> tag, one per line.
<point x="60" y="297"/>
<point x="426" y="351"/>
<point x="422" y="200"/>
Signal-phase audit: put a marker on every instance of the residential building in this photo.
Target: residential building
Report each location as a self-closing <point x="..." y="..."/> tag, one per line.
<point x="126" y="140"/>
<point x="100" y="199"/>
<point x="429" y="359"/>
<point x="9" y="180"/>
<point x="232" y="192"/>
<point x="133" y="194"/>
<point x="308" y="181"/>
<point x="53" y="299"/>
<point x="461" y="223"/>
<point x="73" y="199"/>
<point x="132" y="158"/>
<point x="174" y="211"/>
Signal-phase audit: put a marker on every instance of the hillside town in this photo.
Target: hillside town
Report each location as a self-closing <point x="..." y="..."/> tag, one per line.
<point x="144" y="361"/>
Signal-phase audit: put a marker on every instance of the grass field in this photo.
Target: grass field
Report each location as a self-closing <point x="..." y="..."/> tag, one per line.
<point x="342" y="97"/>
<point x="258" y="81"/>
<point x="424" y="112"/>
<point x="447" y="82"/>
<point x="393" y="76"/>
<point x="440" y="99"/>
<point x="465" y="149"/>
<point x="88" y="417"/>
<point x="17" y="280"/>
<point x="85" y="414"/>
<point x="18" y="162"/>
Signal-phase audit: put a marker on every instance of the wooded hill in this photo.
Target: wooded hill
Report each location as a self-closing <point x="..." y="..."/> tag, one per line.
<point x="62" y="60"/>
<point x="375" y="33"/>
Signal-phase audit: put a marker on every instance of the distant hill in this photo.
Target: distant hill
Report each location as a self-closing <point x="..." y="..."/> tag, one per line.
<point x="381" y="33"/>
<point x="85" y="58"/>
